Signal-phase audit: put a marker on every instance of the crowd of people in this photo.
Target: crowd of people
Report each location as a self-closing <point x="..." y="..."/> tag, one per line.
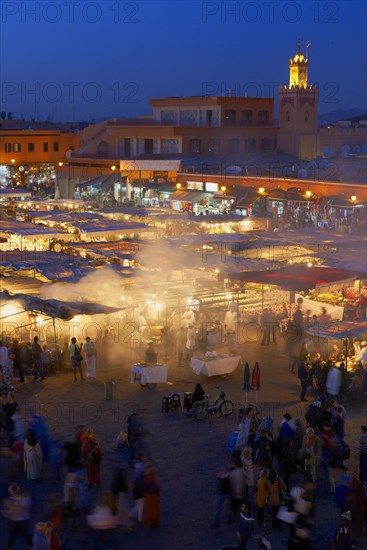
<point x="279" y="475"/>
<point x="74" y="463"/>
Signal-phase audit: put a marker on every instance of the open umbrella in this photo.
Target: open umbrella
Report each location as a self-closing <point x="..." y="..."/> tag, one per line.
<point x="246" y="380"/>
<point x="255" y="379"/>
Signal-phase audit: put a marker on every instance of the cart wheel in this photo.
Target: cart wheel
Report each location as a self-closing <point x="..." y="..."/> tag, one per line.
<point x="226" y="408"/>
<point x="150" y="386"/>
<point x="200" y="412"/>
<point x="142" y="382"/>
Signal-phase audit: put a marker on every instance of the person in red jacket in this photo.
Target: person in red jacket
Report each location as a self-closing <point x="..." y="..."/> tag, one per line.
<point x="92" y="458"/>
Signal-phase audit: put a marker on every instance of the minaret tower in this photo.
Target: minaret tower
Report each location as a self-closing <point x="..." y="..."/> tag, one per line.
<point x="298" y="110"/>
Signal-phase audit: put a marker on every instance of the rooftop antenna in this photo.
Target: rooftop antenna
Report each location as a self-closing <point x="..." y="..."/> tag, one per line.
<point x="308" y="44"/>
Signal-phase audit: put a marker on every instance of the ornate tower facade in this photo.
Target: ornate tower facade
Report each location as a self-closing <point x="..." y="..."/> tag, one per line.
<point x="298" y="110"/>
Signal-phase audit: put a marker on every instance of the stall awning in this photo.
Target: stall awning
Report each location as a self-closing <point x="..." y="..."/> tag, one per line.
<point x="338" y="329"/>
<point x="56" y="308"/>
<point x="189" y="196"/>
<point x="295" y="278"/>
<point x="250" y="198"/>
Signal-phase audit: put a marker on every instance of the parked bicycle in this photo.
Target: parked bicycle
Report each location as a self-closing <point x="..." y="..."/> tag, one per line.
<point x="220" y="405"/>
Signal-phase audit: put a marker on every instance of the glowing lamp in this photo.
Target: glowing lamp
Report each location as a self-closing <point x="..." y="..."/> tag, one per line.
<point x="178" y="185"/>
<point x="61" y="164"/>
<point x="261" y="190"/>
<point x="353" y="198"/>
<point x="223" y="188"/>
<point x="113" y="168"/>
<point x="308" y="193"/>
<point x="12" y="161"/>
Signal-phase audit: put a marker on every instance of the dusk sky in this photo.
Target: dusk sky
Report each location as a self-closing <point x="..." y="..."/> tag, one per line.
<point x="86" y="60"/>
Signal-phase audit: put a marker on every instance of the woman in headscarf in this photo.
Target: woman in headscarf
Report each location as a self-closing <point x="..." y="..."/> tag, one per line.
<point x="32" y="456"/>
<point x="311" y="445"/>
<point x="92" y="457"/>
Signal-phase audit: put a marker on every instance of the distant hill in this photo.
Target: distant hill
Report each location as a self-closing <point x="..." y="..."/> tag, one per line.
<point x="340" y="114"/>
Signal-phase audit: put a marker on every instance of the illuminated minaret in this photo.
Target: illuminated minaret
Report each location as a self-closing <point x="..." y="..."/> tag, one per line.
<point x="298" y="110"/>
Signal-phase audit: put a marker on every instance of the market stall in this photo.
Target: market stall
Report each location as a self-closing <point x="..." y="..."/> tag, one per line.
<point x="215" y="366"/>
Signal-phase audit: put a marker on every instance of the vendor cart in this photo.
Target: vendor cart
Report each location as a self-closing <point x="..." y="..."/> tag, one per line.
<point x="148" y="375"/>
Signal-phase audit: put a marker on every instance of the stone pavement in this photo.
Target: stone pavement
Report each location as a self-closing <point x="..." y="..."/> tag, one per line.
<point x="187" y="453"/>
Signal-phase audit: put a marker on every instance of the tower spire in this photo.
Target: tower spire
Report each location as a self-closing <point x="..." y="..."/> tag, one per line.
<point x="299" y="45"/>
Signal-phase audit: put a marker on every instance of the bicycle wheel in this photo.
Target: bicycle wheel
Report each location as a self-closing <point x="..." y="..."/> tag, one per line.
<point x="226" y="408"/>
<point x="200" y="412"/>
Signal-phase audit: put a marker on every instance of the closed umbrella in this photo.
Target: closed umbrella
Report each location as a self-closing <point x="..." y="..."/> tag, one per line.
<point x="255" y="379"/>
<point x="246" y="380"/>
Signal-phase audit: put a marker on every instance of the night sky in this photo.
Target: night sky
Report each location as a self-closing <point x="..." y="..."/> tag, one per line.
<point x="80" y="60"/>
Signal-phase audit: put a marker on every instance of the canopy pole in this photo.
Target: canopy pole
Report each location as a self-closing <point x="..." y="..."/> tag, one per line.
<point x="54" y="325"/>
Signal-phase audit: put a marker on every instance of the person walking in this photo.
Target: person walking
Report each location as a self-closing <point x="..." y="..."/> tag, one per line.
<point x="311" y="445"/>
<point x="276" y="488"/>
<point x="17" y="365"/>
<point x="262" y="496"/>
<point x="119" y="489"/>
<point x="8" y="368"/>
<point x="17" y="509"/>
<point x="304" y="378"/>
<point x="362" y="453"/>
<point x="333" y="382"/>
<point x="90" y="358"/>
<point x="222" y="496"/>
<point x="10" y="408"/>
<point x="32" y="456"/>
<point x="151" y="497"/>
<point x="76" y="358"/>
<point x="190" y="341"/>
<point x="92" y="458"/>
<point x="245" y="528"/>
<point x="37" y="359"/>
<point x="26" y="360"/>
<point x="237" y="485"/>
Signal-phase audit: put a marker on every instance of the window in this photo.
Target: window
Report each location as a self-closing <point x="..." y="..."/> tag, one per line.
<point x="307" y="116"/>
<point x="266" y="144"/>
<point x="209" y="117"/>
<point x="30" y="147"/>
<point x="195" y="145"/>
<point x="229" y="116"/>
<point x="7" y="147"/>
<point x="45" y="147"/>
<point x="233" y="145"/>
<point x="287" y="116"/>
<point x="56" y="147"/>
<point x="16" y="148"/>
<point x="246" y="116"/>
<point x="250" y="145"/>
<point x="263" y="117"/>
<point x="213" y="146"/>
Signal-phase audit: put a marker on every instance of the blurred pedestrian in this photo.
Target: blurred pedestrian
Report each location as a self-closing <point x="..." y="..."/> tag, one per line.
<point x="245" y="528"/>
<point x="304" y="378"/>
<point x="119" y="489"/>
<point x="76" y="358"/>
<point x="90" y="358"/>
<point x="92" y="458"/>
<point x="17" y="509"/>
<point x="37" y="359"/>
<point x="362" y="453"/>
<point x="32" y="456"/>
<point x="262" y="496"/>
<point x="151" y="497"/>
<point x="10" y="408"/>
